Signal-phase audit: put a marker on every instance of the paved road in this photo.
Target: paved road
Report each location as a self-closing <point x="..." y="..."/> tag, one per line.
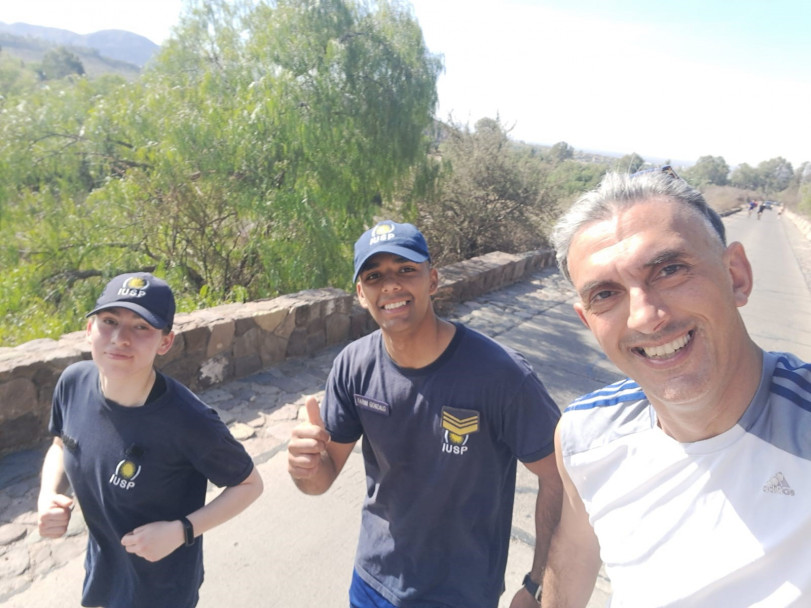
<point x="292" y="551"/>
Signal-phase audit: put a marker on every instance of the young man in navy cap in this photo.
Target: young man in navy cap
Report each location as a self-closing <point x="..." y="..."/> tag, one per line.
<point x="445" y="414"/>
<point x="138" y="450"/>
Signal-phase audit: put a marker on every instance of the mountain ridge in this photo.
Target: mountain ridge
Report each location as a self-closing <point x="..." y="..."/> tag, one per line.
<point x="119" y="45"/>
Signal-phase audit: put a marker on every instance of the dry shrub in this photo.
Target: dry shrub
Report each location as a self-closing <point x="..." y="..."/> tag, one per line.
<point x="722" y="198"/>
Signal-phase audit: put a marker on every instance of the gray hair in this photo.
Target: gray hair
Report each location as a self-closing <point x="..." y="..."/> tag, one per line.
<point x="620" y="191"/>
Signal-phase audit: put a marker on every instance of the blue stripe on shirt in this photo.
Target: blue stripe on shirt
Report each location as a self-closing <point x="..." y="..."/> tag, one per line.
<point x="362" y="595"/>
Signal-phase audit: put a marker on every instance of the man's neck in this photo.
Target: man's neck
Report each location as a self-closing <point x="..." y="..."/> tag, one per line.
<point x="128" y="392"/>
<point x="421" y="348"/>
<point x="722" y="409"/>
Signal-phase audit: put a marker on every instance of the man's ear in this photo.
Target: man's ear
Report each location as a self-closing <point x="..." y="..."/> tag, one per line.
<point x="740" y="272"/>
<point x="581" y="312"/>
<point x="361" y="297"/>
<point x="433" y="285"/>
<point x="166" y="343"/>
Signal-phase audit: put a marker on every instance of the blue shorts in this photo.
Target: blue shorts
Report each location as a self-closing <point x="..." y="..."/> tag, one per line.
<point x="361" y="595"/>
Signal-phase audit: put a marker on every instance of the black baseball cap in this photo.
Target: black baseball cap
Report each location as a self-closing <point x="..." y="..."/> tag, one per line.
<point x="143" y="294"/>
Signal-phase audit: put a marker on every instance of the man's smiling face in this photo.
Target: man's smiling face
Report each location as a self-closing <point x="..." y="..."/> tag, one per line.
<point x="396" y="291"/>
<point x="659" y="292"/>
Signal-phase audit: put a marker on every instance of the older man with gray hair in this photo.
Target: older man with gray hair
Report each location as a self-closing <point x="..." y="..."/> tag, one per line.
<point x="690" y="479"/>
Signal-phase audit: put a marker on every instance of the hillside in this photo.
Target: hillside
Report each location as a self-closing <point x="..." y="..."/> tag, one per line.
<point x="104" y="52"/>
<point x="115" y="44"/>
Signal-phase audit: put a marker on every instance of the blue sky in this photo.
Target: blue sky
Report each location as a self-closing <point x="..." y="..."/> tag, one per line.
<point x="667" y="80"/>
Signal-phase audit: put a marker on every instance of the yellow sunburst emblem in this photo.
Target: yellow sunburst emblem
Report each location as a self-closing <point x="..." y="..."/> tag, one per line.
<point x="454" y="438"/>
<point x="383" y="229"/>
<point x="127" y="469"/>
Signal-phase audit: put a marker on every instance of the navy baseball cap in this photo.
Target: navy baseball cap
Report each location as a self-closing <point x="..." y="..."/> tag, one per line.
<point x="390" y="237"/>
<point x="143" y="294"/>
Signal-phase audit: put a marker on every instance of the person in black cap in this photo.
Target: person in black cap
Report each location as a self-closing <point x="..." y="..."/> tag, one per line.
<point x="445" y="413"/>
<point x="138" y="449"/>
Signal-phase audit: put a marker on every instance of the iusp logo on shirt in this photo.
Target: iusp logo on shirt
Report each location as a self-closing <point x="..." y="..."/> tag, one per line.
<point x="125" y="474"/>
<point x="458" y="425"/>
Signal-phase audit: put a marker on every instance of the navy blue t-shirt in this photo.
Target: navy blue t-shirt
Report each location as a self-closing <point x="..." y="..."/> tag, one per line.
<point x="440" y="445"/>
<point x="129" y="466"/>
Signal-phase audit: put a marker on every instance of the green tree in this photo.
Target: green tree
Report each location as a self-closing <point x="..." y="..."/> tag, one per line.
<point x="560" y="152"/>
<point x="491" y="196"/>
<point x="708" y="170"/>
<point x="242" y="164"/>
<point x="630" y="163"/>
<point x="15" y="78"/>
<point x="294" y="119"/>
<point x="776" y="174"/>
<point x="60" y="62"/>
<point x="46" y="141"/>
<point x="770" y="176"/>
<point x="572" y="178"/>
<point x="51" y="239"/>
<point x="746" y="177"/>
<point x="804" y="174"/>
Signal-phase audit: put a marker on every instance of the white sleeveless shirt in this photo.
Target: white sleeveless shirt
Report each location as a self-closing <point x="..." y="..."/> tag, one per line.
<point x="719" y="523"/>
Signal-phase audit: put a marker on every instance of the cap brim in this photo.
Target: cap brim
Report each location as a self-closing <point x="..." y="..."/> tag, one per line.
<point x="149" y="317"/>
<point x="404" y="252"/>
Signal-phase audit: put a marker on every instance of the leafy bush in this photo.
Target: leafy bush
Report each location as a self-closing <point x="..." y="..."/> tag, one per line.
<point x="491" y="195"/>
<point x="241" y="165"/>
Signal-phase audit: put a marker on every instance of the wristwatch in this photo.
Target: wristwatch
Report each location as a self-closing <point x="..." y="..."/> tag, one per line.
<point x="533" y="587"/>
<point x="188" y="532"/>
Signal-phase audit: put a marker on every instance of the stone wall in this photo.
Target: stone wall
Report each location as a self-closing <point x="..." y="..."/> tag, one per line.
<point x="219" y="344"/>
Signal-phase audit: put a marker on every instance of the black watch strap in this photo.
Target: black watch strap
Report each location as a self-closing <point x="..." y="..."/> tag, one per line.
<point x="533" y="587"/>
<point x="188" y="532"/>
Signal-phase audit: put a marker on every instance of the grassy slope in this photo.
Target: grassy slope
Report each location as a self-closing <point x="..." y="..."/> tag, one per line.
<point x="31" y="50"/>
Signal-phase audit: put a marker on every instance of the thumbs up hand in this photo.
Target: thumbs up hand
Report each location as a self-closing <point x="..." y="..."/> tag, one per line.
<point x="308" y="443"/>
<point x="314" y="412"/>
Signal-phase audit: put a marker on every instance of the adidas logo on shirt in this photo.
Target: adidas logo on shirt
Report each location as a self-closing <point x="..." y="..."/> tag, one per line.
<point x="778" y="485"/>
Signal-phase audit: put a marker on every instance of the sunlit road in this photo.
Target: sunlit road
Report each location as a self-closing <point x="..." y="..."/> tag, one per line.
<point x="778" y="314"/>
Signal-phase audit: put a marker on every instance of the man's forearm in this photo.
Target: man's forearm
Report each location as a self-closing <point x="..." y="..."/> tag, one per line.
<point x="569" y="577"/>
<point x="53" y="479"/>
<point x="229" y="503"/>
<point x="547" y="516"/>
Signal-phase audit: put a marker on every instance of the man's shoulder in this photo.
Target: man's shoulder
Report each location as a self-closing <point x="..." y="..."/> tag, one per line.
<point x="790" y="378"/>
<point x="605" y="415"/>
<point x="468" y="333"/>
<point x="788" y="389"/>
<point x="477" y="344"/>
<point x="78" y="372"/>
<point x="790" y="365"/>
<point x="360" y="346"/>
<point x="184" y="401"/>
<point x="612" y="395"/>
